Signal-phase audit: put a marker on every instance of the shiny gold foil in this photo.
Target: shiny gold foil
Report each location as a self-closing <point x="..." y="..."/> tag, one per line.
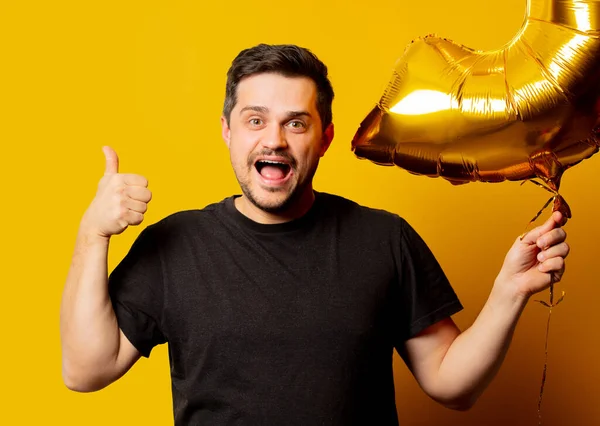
<point x="528" y="110"/>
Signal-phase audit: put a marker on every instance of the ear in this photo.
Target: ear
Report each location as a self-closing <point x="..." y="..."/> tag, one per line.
<point x="225" y="131"/>
<point x="326" y="140"/>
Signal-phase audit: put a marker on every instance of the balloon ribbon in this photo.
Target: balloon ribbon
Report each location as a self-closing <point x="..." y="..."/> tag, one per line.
<point x="549" y="304"/>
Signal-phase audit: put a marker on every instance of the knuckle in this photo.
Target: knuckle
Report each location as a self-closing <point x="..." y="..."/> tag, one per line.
<point x="123" y="210"/>
<point x="142" y="180"/>
<point x="117" y="178"/>
<point x="138" y="218"/>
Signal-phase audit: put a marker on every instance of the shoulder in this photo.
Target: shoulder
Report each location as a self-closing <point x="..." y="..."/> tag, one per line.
<point x="346" y="207"/>
<point x="184" y="221"/>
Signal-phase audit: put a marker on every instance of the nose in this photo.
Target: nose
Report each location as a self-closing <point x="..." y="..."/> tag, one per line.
<point x="274" y="138"/>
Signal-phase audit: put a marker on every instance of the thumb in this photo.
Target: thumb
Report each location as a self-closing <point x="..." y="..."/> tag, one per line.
<point x="532" y="236"/>
<point x="112" y="160"/>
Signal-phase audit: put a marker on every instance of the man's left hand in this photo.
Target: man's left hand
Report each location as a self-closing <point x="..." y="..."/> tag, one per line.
<point x="538" y="259"/>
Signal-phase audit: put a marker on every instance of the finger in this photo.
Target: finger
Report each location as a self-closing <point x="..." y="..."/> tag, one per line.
<point x="563" y="220"/>
<point x="136" y="206"/>
<point x="112" y="161"/>
<point x="532" y="236"/>
<point x="138" y="193"/>
<point x="135" y="180"/>
<point x="560" y="250"/>
<point x="552" y="237"/>
<point x="133" y="217"/>
<point x="553" y="264"/>
<point x="557" y="275"/>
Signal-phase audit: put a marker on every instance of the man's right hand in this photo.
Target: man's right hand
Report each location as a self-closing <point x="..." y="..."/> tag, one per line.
<point x="121" y="200"/>
<point x="95" y="352"/>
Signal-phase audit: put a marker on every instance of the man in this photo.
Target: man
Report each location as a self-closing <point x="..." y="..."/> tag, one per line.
<point x="283" y="305"/>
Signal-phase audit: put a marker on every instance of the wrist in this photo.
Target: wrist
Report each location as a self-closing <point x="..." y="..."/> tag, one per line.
<point x="89" y="231"/>
<point x="90" y="236"/>
<point x="507" y="294"/>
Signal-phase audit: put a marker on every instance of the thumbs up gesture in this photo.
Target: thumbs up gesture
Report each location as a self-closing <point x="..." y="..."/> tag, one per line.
<point x="121" y="200"/>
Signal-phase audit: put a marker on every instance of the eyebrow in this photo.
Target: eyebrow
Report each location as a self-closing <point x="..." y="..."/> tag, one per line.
<point x="265" y="110"/>
<point x="254" y="108"/>
<point x="294" y="114"/>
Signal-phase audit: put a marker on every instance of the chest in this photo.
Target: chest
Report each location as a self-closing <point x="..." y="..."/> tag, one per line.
<point x="277" y="296"/>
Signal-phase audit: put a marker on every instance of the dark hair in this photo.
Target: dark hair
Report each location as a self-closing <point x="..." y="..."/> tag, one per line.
<point x="285" y="59"/>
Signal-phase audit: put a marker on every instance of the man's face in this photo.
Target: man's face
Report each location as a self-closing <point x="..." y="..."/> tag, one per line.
<point x="275" y="139"/>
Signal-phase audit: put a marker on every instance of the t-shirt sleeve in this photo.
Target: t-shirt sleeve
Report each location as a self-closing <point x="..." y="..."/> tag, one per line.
<point x="425" y="293"/>
<point x="136" y="292"/>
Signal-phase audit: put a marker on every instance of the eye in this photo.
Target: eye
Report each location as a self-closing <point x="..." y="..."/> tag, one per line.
<point x="255" y="122"/>
<point x="296" y="124"/>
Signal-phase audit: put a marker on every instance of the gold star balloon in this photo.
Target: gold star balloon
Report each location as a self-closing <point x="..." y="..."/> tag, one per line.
<point x="528" y="110"/>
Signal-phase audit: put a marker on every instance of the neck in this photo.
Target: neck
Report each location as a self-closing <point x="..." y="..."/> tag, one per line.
<point x="295" y="210"/>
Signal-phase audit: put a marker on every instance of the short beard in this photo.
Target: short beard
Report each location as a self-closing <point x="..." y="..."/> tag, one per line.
<point x="288" y="201"/>
<point x="280" y="207"/>
<point x="283" y="206"/>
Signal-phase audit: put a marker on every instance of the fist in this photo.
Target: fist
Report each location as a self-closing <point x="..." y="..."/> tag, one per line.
<point x="121" y="200"/>
<point x="537" y="260"/>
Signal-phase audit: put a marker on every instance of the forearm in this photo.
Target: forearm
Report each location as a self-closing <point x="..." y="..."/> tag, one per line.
<point x="475" y="356"/>
<point x="455" y="368"/>
<point x="89" y="329"/>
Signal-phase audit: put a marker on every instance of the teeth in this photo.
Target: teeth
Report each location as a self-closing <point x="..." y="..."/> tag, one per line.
<point x="271" y="162"/>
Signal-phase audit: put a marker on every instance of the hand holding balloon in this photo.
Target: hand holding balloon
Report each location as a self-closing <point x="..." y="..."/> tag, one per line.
<point x="537" y="260"/>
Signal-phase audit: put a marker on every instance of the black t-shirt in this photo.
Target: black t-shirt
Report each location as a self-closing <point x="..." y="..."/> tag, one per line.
<point x="286" y="324"/>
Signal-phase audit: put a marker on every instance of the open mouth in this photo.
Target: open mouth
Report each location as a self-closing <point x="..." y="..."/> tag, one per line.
<point x="273" y="170"/>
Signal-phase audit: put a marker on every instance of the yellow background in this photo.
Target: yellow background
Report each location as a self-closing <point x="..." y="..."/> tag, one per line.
<point x="148" y="79"/>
